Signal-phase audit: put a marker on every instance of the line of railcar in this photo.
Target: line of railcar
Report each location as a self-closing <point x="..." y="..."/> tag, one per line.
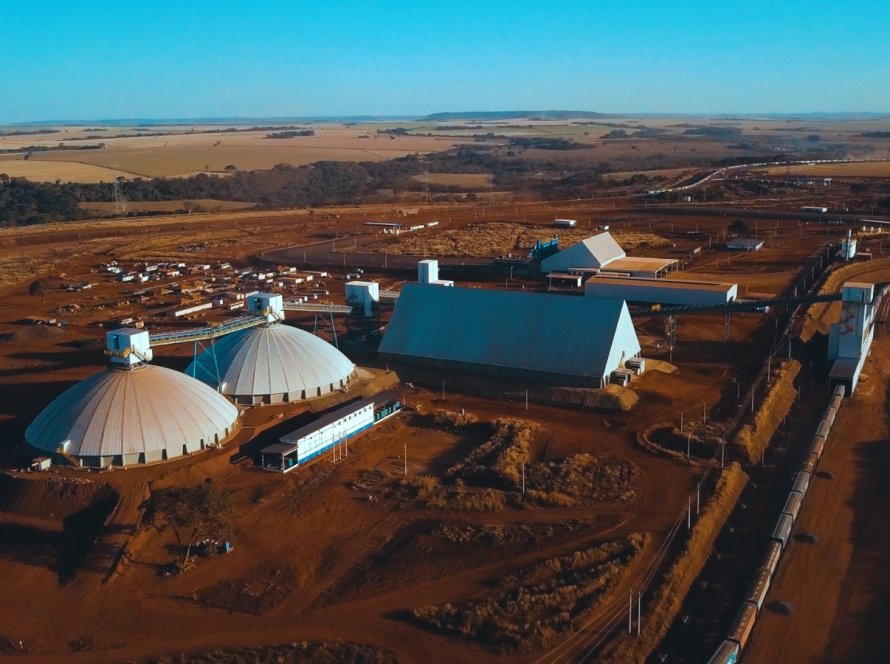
<point x="731" y="648"/>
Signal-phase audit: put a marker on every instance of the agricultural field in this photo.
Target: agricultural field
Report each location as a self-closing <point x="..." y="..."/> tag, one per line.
<point x="187" y="151"/>
<point x="66" y="171"/>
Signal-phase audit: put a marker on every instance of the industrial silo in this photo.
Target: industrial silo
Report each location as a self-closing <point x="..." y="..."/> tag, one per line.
<point x="272" y="363"/>
<point x="132" y="412"/>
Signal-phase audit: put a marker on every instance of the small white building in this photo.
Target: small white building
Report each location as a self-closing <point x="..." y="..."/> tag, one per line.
<point x="128" y="346"/>
<point x="565" y="223"/>
<point x="745" y="244"/>
<point x="428" y="273"/>
<point x="847" y="251"/>
<point x="364" y="294"/>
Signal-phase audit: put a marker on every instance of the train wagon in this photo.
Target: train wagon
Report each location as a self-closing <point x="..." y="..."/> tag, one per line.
<point x="760" y="587"/>
<point x="823" y="429"/>
<point x="771" y="560"/>
<point x="801" y="483"/>
<point x="727" y="653"/>
<point x="810" y="463"/>
<point x="782" y="531"/>
<point x="840" y="391"/>
<point x="743" y="625"/>
<point x="828" y="417"/>
<point x="793" y="504"/>
<point x="816" y="447"/>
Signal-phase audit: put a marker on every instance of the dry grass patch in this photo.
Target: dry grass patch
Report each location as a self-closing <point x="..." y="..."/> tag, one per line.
<point x="667" y="599"/>
<point x="501" y="458"/>
<point x="753" y="438"/>
<point x="535" y="608"/>
<point x="428" y="493"/>
<point x="255" y="595"/>
<point x="304" y="652"/>
<point x="16" y="269"/>
<point x="814" y="321"/>
<point x="453" y="421"/>
<point x="581" y="478"/>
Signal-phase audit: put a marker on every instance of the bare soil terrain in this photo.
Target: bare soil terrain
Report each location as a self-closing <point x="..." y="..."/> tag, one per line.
<point x="359" y="549"/>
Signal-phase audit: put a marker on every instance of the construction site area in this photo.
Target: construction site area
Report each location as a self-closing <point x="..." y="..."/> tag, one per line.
<point x="617" y="429"/>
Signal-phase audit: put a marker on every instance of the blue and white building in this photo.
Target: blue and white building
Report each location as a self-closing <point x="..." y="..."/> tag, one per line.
<point x="329" y="431"/>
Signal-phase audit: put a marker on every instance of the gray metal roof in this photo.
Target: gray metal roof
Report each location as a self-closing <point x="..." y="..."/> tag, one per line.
<point x="556" y="334"/>
<point x="272" y="360"/>
<point x="597" y="251"/>
<point x="146" y="409"/>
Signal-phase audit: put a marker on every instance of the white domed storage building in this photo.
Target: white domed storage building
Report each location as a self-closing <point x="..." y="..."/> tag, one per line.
<point x="133" y="412"/>
<point x="272" y="363"/>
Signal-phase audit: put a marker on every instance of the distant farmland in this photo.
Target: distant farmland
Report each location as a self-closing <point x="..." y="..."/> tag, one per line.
<point x="189" y="153"/>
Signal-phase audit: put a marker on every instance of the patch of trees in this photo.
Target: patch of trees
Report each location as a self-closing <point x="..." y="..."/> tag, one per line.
<point x="291" y="133"/>
<point x="29" y="132"/>
<point x="24" y="203"/>
<point x="644" y="132"/>
<point x="545" y="143"/>
<point x="45" y="148"/>
<point x="755" y="159"/>
<point x="875" y="134"/>
<point x="739" y="228"/>
<point x="713" y="132"/>
<point x="192" y="514"/>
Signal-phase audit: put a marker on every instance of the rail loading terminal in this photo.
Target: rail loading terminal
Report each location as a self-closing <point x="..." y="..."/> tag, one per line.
<point x="330" y="430"/>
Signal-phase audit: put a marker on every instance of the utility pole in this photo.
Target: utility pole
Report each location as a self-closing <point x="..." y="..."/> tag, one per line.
<point x="406" y="459"/>
<point x="639" y="610"/>
<point x="523" y="478"/>
<point x="630" y="613"/>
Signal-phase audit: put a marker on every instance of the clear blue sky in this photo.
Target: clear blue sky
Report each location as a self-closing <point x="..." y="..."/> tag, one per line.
<point x="101" y="60"/>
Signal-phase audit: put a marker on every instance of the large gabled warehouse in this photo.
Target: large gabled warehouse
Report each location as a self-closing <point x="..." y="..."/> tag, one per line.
<point x="544" y="338"/>
<point x="593" y="252"/>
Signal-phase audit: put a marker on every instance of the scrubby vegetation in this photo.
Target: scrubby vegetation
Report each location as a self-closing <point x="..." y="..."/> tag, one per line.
<point x="581" y="478"/>
<point x="452" y="421"/>
<point x="493" y="472"/>
<point x="533" y="609"/>
<point x="303" y="652"/>
<point x="252" y="595"/>
<point x="500" y="459"/>
<point x="427" y="492"/>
